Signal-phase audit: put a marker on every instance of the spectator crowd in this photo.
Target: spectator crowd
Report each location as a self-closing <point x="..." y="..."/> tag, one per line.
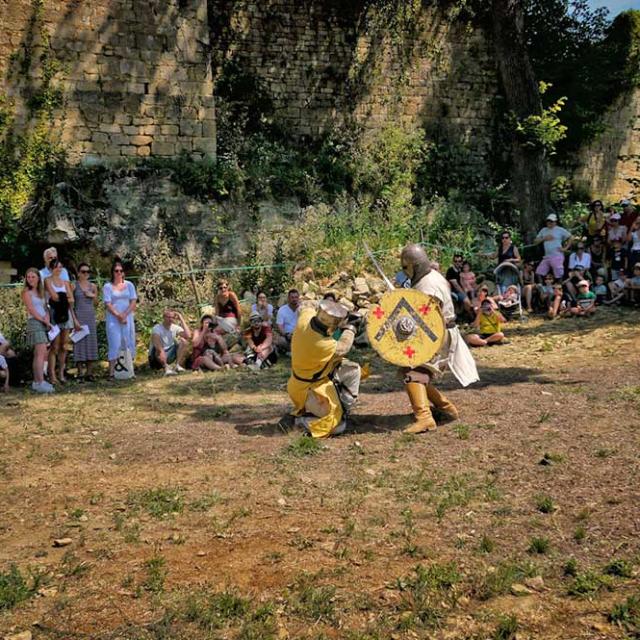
<point x="575" y="274"/>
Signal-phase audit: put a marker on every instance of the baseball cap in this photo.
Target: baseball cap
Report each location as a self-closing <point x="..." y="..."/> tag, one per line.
<point x="583" y="283"/>
<point x="625" y="202"/>
<point x="553" y="217"/>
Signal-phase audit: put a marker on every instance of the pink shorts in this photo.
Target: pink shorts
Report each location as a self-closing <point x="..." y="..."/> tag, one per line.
<point x="548" y="263"/>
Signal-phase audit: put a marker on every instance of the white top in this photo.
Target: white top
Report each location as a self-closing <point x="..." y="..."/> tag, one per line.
<point x="119" y="299"/>
<point x="3" y="340"/>
<point x="168" y="336"/>
<point x="38" y="305"/>
<point x="47" y="273"/>
<point x="435" y="284"/>
<point x="583" y="261"/>
<point x="617" y="233"/>
<point x="554" y="246"/>
<point x="3" y="363"/>
<point x="288" y="318"/>
<point x="635" y="240"/>
<point x="261" y="311"/>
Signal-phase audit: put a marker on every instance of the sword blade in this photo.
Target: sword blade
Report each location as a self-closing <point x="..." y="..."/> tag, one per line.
<point x="378" y="267"/>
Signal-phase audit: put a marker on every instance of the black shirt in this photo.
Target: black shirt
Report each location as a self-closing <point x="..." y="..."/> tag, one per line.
<point x="453" y="274"/>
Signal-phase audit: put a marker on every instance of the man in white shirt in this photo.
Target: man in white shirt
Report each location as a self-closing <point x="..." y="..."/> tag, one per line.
<point x="287" y="319"/>
<point x="169" y="343"/>
<point x="556" y="240"/>
<point x="48" y="255"/>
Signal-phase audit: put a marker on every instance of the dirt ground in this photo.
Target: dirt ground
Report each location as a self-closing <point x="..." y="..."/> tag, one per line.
<point x="184" y="511"/>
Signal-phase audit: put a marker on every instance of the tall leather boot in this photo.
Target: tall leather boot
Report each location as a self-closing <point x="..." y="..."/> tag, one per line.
<point x="424" y="421"/>
<point x="445" y="410"/>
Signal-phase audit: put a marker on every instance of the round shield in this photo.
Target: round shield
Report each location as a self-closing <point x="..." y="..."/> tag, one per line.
<point x="406" y="327"/>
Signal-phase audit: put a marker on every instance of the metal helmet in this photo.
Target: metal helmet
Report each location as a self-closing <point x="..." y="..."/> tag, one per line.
<point x="331" y="314"/>
<point x="415" y="262"/>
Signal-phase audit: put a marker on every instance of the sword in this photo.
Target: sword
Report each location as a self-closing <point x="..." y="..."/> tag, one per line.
<point x="378" y="267"/>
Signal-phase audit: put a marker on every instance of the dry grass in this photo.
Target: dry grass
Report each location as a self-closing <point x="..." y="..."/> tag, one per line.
<point x="191" y="514"/>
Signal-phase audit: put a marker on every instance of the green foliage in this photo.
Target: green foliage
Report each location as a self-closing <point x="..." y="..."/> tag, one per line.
<point x="507" y="628"/>
<point x="544" y="504"/>
<point x="499" y="582"/>
<point x="303" y="446"/>
<point x="538" y="545"/>
<point x="627" y="615"/>
<point x="311" y="601"/>
<point x="156" y="574"/>
<point x="159" y="502"/>
<point x="15" y="588"/>
<point x="588" y="583"/>
<point x="214" y="610"/>
<point x="619" y="568"/>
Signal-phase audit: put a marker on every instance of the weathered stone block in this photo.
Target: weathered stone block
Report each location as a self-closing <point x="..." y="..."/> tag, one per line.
<point x="163" y="148"/>
<point x="140" y="141"/>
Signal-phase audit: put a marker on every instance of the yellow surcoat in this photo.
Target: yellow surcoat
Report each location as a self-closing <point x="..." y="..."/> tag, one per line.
<point x="313" y="358"/>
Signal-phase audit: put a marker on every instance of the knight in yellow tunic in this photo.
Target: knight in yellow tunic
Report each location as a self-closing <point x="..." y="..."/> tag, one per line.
<point x="323" y="384"/>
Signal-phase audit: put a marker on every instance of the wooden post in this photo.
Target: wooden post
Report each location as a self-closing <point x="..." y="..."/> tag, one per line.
<point x="192" y="277"/>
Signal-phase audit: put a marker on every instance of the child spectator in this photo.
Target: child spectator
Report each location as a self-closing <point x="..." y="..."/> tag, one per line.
<point x="559" y="303"/>
<point x="616" y="288"/>
<point x="468" y="280"/>
<point x="509" y="300"/>
<point x="600" y="289"/>
<point x="632" y="285"/>
<point x="618" y="259"/>
<point x="528" y="284"/>
<point x="585" y="304"/>
<point x="546" y="290"/>
<point x="574" y="276"/>
<point x="489" y="323"/>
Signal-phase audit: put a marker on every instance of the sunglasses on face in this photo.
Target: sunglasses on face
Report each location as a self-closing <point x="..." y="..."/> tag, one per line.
<point x="85" y="271"/>
<point x="118" y="271"/>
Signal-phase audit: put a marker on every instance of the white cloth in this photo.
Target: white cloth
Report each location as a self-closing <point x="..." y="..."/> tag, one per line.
<point x="635" y="240"/>
<point x="580" y="261"/>
<point x="46" y="273"/>
<point x="288" y="318"/>
<point x="435" y="284"/>
<point x="461" y="362"/>
<point x="168" y="337"/>
<point x="554" y="246"/>
<point x="3" y="363"/>
<point x="618" y="233"/>
<point x="119" y="335"/>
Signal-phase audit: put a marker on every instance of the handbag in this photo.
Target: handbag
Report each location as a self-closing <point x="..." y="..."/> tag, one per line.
<point x="123" y="369"/>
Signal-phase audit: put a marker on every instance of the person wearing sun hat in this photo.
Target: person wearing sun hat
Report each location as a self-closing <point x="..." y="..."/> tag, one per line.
<point x="585" y="300"/>
<point x="616" y="232"/>
<point x="556" y="241"/>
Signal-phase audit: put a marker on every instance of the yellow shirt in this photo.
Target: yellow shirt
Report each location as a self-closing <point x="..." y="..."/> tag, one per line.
<point x="489" y="323"/>
<point x="313" y="358"/>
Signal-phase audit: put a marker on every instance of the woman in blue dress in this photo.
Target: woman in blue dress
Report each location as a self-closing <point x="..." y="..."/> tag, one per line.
<point x="120" y="299"/>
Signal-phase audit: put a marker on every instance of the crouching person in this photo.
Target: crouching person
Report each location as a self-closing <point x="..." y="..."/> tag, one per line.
<point x="323" y="385"/>
<point x="169" y="343"/>
<point x="260" y="352"/>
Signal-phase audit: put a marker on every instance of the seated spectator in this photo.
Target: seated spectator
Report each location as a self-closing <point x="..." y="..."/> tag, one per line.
<point x="600" y="289"/>
<point x="633" y="238"/>
<point x="598" y="254"/>
<point x="216" y="355"/>
<point x="546" y="291"/>
<point x="453" y="276"/>
<point x="585" y="303"/>
<point x="489" y="323"/>
<point x="468" y="280"/>
<point x="4" y="375"/>
<point x="260" y="352"/>
<point x="580" y="258"/>
<point x="11" y="360"/>
<point x="616" y="232"/>
<point x="618" y="259"/>
<point x="287" y="319"/>
<point x="616" y="288"/>
<point x="528" y="284"/>
<point x="574" y="276"/>
<point x="228" y="308"/>
<point x="560" y="303"/>
<point x="262" y="306"/>
<point x="46" y="272"/>
<point x="208" y="324"/>
<point x="169" y="343"/>
<point x="632" y="285"/>
<point x="508" y="302"/>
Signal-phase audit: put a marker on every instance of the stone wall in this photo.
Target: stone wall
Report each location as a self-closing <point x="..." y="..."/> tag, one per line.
<point x="135" y="75"/>
<point x="327" y="63"/>
<point x="609" y="167"/>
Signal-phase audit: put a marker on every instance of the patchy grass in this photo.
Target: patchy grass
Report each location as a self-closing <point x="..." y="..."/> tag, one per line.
<point x="544" y="504"/>
<point x="156" y="570"/>
<point x="303" y="446"/>
<point x="618" y="568"/>
<point x="627" y="616"/>
<point x="499" y="581"/>
<point x="507" y="628"/>
<point x="159" y="503"/>
<point x="16" y="588"/>
<point x="539" y="545"/>
<point x="313" y="602"/>
<point x="212" y="610"/>
<point x="589" y="583"/>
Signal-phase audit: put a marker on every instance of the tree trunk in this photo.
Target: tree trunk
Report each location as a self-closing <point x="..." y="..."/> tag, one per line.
<point x="529" y="168"/>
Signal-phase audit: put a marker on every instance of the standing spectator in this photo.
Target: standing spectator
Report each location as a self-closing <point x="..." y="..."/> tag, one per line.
<point x="260" y="352"/>
<point x="598" y="254"/>
<point x="528" y="284"/>
<point x="262" y="306"/>
<point x="468" y="280"/>
<point x="169" y="343"/>
<point x="580" y="258"/>
<point x="61" y="304"/>
<point x="507" y="251"/>
<point x="287" y="319"/>
<point x="50" y="254"/>
<point x="120" y="300"/>
<point x="617" y="232"/>
<point x="618" y="259"/>
<point x="556" y="239"/>
<point x="453" y="277"/>
<point x="85" y="351"/>
<point x="38" y="324"/>
<point x="596" y="221"/>
<point x="629" y="214"/>
<point x="633" y="238"/>
<point x="585" y="304"/>
<point x="227" y="307"/>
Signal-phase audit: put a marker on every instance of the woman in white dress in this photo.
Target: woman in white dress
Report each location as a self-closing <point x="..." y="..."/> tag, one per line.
<point x="120" y="298"/>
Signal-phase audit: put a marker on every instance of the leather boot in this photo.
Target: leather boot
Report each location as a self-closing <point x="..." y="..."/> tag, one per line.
<point x="445" y="410"/>
<point x="424" y="421"/>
